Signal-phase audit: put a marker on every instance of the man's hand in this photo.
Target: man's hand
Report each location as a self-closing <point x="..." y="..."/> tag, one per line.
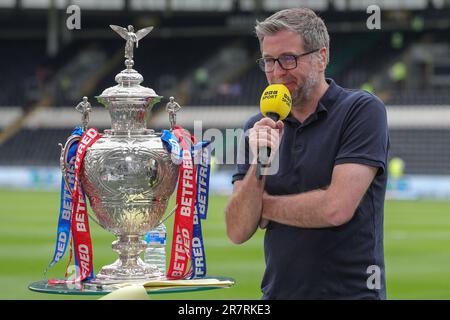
<point x="265" y="133"/>
<point x="244" y="209"/>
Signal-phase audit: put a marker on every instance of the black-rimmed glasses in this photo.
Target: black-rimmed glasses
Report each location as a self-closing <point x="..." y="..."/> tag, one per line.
<point x="287" y="62"/>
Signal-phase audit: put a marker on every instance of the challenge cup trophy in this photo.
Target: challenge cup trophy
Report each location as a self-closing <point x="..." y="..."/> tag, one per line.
<point x="128" y="174"/>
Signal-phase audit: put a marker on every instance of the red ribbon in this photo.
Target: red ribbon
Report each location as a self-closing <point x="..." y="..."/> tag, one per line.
<point x="80" y="223"/>
<point x="181" y="254"/>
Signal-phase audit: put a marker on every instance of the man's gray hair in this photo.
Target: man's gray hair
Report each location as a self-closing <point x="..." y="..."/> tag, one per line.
<point x="303" y="21"/>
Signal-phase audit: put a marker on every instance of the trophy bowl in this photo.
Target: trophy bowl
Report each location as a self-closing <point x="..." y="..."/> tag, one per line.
<point x="128" y="180"/>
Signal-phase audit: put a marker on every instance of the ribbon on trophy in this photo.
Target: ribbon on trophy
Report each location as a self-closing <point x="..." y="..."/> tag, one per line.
<point x="73" y="222"/>
<point x="192" y="194"/>
<point x="65" y="212"/>
<point x="201" y="209"/>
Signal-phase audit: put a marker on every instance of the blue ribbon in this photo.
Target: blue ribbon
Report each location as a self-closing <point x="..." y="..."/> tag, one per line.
<point x="173" y="146"/>
<point x="201" y="209"/>
<point x="65" y="211"/>
<point x="203" y="174"/>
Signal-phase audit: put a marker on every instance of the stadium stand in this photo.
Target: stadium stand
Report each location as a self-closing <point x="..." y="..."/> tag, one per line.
<point x="20" y="66"/>
<point x="207" y="59"/>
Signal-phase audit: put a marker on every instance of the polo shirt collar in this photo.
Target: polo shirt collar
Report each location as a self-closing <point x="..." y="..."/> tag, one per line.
<point x="330" y="96"/>
<point x="326" y="101"/>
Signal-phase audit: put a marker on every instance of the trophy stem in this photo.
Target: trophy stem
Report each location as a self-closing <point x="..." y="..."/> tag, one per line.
<point x="128" y="247"/>
<point x="129" y="266"/>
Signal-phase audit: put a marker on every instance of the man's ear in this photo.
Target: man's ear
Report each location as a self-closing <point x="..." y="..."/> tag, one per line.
<point x="323" y="58"/>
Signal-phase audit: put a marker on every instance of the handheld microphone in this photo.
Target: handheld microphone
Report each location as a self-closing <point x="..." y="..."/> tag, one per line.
<point x="275" y="104"/>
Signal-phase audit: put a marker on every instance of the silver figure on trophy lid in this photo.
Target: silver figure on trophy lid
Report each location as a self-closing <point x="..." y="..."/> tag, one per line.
<point x="84" y="107"/>
<point x="131" y="38"/>
<point x="172" y="107"/>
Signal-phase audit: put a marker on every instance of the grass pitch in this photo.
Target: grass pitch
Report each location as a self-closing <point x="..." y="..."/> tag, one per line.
<point x="417" y="249"/>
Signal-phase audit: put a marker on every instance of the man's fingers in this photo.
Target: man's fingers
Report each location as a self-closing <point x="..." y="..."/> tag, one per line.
<point x="271" y="135"/>
<point x="262" y="135"/>
<point x="280" y="125"/>
<point x="266" y="122"/>
<point x="269" y="124"/>
<point x="269" y="141"/>
<point x="263" y="223"/>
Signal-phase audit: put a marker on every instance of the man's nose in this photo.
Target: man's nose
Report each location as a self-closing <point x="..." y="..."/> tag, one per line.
<point x="278" y="70"/>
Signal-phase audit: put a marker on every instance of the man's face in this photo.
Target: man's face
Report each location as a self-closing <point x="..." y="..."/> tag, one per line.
<point x="301" y="80"/>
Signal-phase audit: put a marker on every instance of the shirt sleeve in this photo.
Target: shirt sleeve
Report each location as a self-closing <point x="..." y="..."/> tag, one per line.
<point x="365" y="138"/>
<point x="243" y="155"/>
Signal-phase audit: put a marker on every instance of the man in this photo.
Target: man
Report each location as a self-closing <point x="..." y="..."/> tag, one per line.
<point x="324" y="207"/>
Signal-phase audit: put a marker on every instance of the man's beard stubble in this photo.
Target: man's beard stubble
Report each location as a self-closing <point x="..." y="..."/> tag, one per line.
<point x="303" y="94"/>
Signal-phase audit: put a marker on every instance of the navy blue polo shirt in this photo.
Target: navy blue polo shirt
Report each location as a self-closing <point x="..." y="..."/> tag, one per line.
<point x="348" y="126"/>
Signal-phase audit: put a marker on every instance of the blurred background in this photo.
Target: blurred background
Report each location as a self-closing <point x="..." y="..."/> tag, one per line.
<point x="203" y="53"/>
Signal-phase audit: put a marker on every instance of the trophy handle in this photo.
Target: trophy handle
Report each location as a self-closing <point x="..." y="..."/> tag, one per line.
<point x="167" y="217"/>
<point x="63" y="157"/>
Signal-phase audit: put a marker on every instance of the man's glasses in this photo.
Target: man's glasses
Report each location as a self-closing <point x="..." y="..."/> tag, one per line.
<point x="286" y="62"/>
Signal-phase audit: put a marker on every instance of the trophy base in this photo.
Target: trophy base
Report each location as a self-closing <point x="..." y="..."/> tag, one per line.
<point x="117" y="273"/>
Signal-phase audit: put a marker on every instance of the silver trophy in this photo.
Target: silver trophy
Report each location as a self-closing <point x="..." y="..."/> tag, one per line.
<point x="128" y="175"/>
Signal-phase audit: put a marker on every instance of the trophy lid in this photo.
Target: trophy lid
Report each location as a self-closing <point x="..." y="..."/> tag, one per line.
<point x="128" y="86"/>
<point x="128" y="102"/>
<point x="128" y="80"/>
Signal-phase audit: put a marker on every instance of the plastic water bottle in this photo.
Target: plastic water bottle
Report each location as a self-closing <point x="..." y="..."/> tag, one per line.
<point x="155" y="253"/>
